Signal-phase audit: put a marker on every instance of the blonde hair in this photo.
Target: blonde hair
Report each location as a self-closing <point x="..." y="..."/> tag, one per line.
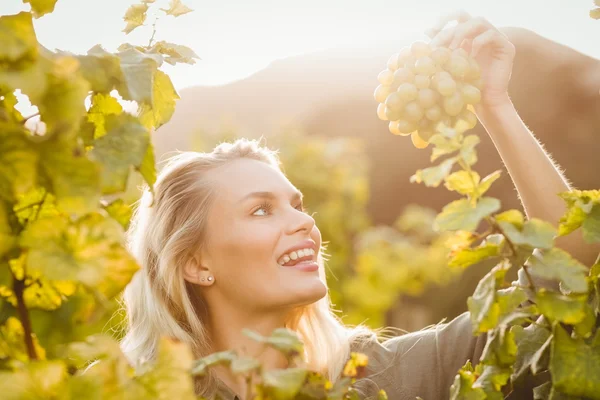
<point x="166" y="231"/>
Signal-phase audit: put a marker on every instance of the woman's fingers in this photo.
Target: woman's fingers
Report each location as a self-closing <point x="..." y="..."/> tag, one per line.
<point x="453" y="37"/>
<point x="459" y="16"/>
<point x="491" y="37"/>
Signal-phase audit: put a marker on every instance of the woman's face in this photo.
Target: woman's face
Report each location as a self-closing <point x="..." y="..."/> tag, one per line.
<point x="256" y="224"/>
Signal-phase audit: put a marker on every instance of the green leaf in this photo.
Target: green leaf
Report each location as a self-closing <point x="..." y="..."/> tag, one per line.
<point x="486" y="182"/>
<point x="244" y="365"/>
<point x="282" y="339"/>
<point x="74" y="178"/>
<point x="148" y="167"/>
<point x="36" y="203"/>
<point x="433" y="176"/>
<point x="101" y="69"/>
<point x="160" y="110"/>
<point x="491" y="379"/>
<point x="18" y="38"/>
<point x="591" y="225"/>
<point x="120" y="211"/>
<point x="138" y="70"/>
<point x="558" y="264"/>
<point x="466" y="257"/>
<point x="462" y="388"/>
<point x="569" y="309"/>
<point x="532" y="343"/>
<point x="8" y="239"/>
<point x="513" y="217"/>
<point x="41" y="7"/>
<point x="534" y="234"/>
<point x="102" y="106"/>
<point x="121" y="148"/>
<point x="579" y="204"/>
<point x="467" y="151"/>
<point x="168" y="376"/>
<point x="575" y="364"/>
<point x="36" y="380"/>
<point x="462" y="215"/>
<point x="463" y="182"/>
<point x="89" y="251"/>
<point x="18" y="161"/>
<point x="177" y="8"/>
<point x="201" y="366"/>
<point x="487" y="305"/>
<point x="500" y="348"/>
<point x="442" y="146"/>
<point x="12" y="342"/>
<point x="135" y="16"/>
<point x="284" y="383"/>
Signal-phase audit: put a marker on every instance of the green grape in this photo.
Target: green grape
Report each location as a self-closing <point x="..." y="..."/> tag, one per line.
<point x="413" y="112"/>
<point x="422" y="81"/>
<point x="426" y="130"/>
<point x="381" y="112"/>
<point x="386" y="77"/>
<point x="403" y="75"/>
<point x="392" y="63"/>
<point x="440" y="55"/>
<point x="417" y="141"/>
<point x="410" y="64"/>
<point x="420" y="49"/>
<point x="408" y="91"/>
<point x="439" y="76"/>
<point x="454" y="104"/>
<point x="425" y="66"/>
<point x="394" y="100"/>
<point x="399" y="127"/>
<point x="434" y="113"/>
<point x="404" y="55"/>
<point x="471" y="94"/>
<point x="393" y="114"/>
<point x="458" y="66"/>
<point x="465" y="121"/>
<point x="406" y="127"/>
<point x="446" y="87"/>
<point x="382" y="92"/>
<point x="427" y="97"/>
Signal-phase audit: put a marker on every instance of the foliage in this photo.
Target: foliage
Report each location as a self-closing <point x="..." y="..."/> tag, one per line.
<point x="558" y="332"/>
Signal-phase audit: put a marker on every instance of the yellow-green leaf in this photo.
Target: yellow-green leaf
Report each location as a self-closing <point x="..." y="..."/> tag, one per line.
<point x="102" y="106"/>
<point x="138" y="70"/>
<point x="558" y="264"/>
<point x="532" y="345"/>
<point x="175" y="53"/>
<point x="160" y="110"/>
<point x="462" y="388"/>
<point x="17" y="37"/>
<point x="12" y="342"/>
<point x="148" y="167"/>
<point x="467" y="257"/>
<point x="74" y="178"/>
<point x="177" y="8"/>
<point x="463" y="182"/>
<point x="121" y="148"/>
<point x="467" y="151"/>
<point x="88" y="251"/>
<point x="462" y="215"/>
<point x="591" y="225"/>
<point x="120" y="211"/>
<point x="433" y="176"/>
<point x="575" y="364"/>
<point x="486" y="182"/>
<point x="18" y="163"/>
<point x="569" y="309"/>
<point x="8" y="238"/>
<point x="514" y="217"/>
<point x="101" y="69"/>
<point x="41" y="7"/>
<point x="36" y="380"/>
<point x="536" y="233"/>
<point x="135" y="16"/>
<point x="284" y="383"/>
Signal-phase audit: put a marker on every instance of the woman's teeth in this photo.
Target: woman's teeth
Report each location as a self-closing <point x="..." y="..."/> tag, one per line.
<point x="294" y="255"/>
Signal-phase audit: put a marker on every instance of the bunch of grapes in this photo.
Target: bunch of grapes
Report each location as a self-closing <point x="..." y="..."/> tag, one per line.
<point x="423" y="87"/>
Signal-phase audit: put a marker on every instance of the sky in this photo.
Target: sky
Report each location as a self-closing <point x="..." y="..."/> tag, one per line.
<point x="236" y="38"/>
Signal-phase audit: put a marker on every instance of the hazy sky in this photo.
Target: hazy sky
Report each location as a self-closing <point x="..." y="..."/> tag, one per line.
<point x="238" y="37"/>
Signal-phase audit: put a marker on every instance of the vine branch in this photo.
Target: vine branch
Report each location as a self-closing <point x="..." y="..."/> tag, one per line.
<point x="19" y="289"/>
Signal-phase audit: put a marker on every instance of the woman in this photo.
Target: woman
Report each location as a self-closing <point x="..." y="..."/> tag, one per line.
<point x="226" y="246"/>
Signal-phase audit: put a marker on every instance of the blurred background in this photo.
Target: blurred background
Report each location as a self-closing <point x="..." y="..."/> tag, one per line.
<point x="302" y="75"/>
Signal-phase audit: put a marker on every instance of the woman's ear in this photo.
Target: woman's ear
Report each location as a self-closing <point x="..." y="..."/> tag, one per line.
<point x="194" y="272"/>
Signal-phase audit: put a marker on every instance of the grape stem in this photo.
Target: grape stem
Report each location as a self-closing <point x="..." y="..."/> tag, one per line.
<point x="153" y="33"/>
<point x="19" y="288"/>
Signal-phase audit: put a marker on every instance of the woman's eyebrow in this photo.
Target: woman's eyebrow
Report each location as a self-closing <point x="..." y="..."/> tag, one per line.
<point x="297" y="196"/>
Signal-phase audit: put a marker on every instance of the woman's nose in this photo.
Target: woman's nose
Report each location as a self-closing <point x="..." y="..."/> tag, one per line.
<point x="302" y="221"/>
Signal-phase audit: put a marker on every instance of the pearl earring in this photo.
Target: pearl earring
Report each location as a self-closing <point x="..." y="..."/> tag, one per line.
<point x="210" y="278"/>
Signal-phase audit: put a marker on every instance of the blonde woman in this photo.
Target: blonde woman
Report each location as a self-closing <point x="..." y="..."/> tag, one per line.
<point x="226" y="245"/>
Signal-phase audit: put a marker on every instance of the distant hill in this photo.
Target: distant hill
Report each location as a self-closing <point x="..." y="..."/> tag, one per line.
<point x="555" y="89"/>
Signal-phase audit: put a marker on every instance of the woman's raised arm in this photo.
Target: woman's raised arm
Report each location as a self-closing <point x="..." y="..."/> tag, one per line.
<point x="536" y="176"/>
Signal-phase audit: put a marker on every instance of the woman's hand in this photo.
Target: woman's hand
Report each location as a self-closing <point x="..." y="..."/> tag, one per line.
<point x="487" y="45"/>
